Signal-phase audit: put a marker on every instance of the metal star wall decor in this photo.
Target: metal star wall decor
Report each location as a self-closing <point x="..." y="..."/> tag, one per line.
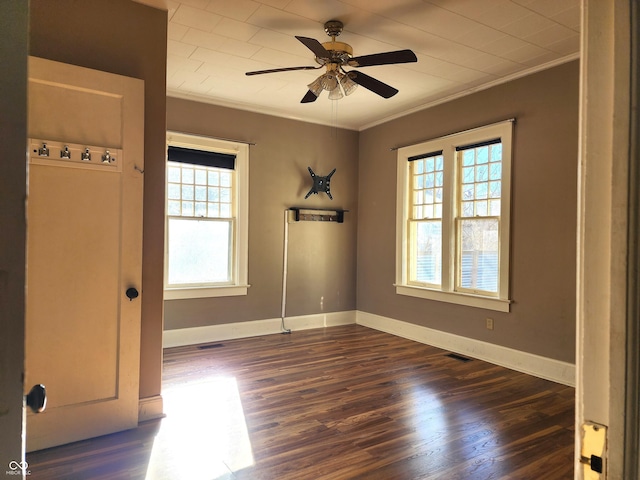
<point x="320" y="184"/>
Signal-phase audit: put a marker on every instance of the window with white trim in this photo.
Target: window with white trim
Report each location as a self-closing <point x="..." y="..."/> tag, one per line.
<point x="206" y="217"/>
<point x="453" y="212"/>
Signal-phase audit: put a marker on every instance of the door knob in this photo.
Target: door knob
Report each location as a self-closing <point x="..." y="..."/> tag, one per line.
<point x="36" y="399"/>
<point x="131" y="293"/>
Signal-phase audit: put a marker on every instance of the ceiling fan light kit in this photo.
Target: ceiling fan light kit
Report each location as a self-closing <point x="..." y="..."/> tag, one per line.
<point x="337" y="55"/>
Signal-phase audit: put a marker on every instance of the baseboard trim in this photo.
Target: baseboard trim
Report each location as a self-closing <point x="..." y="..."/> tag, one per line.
<point x="150" y="408"/>
<point x="531" y="364"/>
<point x="228" y="331"/>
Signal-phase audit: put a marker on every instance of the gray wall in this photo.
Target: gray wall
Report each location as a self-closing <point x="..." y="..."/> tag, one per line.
<point x="322" y="255"/>
<point x="544" y="182"/>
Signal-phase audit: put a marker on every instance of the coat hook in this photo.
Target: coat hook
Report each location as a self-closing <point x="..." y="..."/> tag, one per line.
<point x="86" y="155"/>
<point x="43" y="151"/>
<point x="65" y="153"/>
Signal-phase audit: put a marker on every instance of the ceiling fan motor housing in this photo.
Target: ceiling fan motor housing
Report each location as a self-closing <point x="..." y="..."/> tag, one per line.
<point x="340" y="53"/>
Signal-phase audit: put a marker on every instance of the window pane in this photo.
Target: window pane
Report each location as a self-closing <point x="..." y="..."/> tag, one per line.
<point x="187" y="209"/>
<point x="201" y="177"/>
<point x="187" y="175"/>
<point x="495" y="189"/>
<point x="201" y="194"/>
<point x="198" y="251"/>
<point x="494" y="208"/>
<point x="225" y="179"/>
<point x="481" y="191"/>
<point x="429" y="197"/>
<point x="174" y="174"/>
<point x="468" y="157"/>
<point x="429" y="164"/>
<point x="187" y="192"/>
<point x="467" y="175"/>
<point x="174" y="191"/>
<point x="174" y="208"/>
<point x="439" y="179"/>
<point x="478" y="255"/>
<point x="482" y="173"/>
<point x="214" y="210"/>
<point x="201" y="209"/>
<point x="496" y="152"/>
<point x="429" y="180"/>
<point x="481" y="208"/>
<point x="426" y="252"/>
<point x="467" y="191"/>
<point x="495" y="171"/>
<point x="214" y="178"/>
<point x="482" y="154"/>
<point x="438" y="211"/>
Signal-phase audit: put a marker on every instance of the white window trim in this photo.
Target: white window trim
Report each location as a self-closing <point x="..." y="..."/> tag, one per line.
<point x="240" y="285"/>
<point x="501" y="302"/>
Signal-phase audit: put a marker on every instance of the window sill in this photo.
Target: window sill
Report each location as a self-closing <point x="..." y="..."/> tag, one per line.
<point x="205" y="292"/>
<point x="468" y="300"/>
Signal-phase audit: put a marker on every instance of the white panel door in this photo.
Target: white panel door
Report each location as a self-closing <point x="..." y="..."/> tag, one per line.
<point x="84" y="251"/>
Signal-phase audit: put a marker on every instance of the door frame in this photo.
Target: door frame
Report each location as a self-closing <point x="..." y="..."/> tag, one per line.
<point x="605" y="323"/>
<point x="14" y="23"/>
<point x="632" y="405"/>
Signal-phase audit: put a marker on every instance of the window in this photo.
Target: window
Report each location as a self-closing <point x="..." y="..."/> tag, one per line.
<point x="206" y="211"/>
<point x="453" y="211"/>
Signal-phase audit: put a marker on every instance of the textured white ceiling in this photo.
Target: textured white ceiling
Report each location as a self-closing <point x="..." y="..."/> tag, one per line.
<point x="461" y="45"/>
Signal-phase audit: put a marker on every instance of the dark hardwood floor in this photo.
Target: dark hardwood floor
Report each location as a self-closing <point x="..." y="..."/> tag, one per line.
<point x="338" y="403"/>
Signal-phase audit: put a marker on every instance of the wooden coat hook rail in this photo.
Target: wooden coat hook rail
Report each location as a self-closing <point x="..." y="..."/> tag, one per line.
<point x="317" y="215"/>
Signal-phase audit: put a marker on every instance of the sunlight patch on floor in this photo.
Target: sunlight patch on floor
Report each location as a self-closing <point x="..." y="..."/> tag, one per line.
<point x="204" y="434"/>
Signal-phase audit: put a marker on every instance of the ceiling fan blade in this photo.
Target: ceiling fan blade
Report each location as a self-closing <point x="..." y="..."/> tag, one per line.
<point x="315" y="46"/>
<point x="386" y="58"/>
<point x="370" y="83"/>
<point x="309" y="97"/>
<point x="286" y="69"/>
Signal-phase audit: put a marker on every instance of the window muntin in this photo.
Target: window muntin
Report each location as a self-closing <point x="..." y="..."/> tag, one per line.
<point x="198" y="191"/>
<point x="207" y="217"/>
<point x="453" y="237"/>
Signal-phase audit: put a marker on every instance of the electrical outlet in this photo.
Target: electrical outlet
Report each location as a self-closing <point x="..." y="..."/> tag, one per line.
<point x="489" y="323"/>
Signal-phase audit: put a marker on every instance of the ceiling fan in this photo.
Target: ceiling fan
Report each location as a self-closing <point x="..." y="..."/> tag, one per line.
<point x="337" y="55"/>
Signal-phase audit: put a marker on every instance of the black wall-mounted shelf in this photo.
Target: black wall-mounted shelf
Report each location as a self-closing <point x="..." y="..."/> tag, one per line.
<point x="318" y="214"/>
